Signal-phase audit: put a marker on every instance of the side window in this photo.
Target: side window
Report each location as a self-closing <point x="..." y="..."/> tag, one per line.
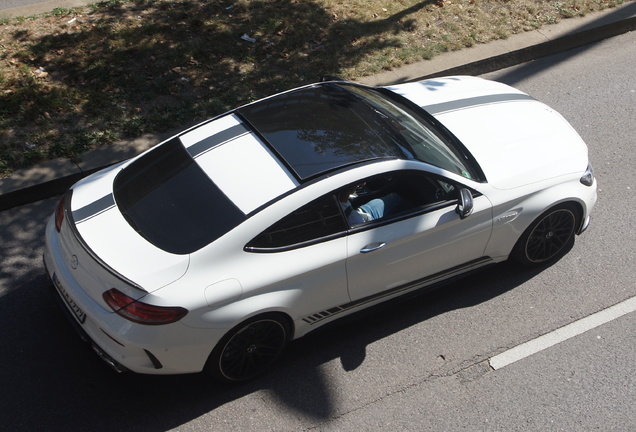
<point x="392" y="195"/>
<point x="319" y="219"/>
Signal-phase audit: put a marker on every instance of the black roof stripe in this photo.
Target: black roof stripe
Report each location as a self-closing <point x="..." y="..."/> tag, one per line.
<point x="94" y="208"/>
<point x="216" y="139"/>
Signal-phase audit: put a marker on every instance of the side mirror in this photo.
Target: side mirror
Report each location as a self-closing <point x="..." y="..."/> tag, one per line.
<point x="465" y="203"/>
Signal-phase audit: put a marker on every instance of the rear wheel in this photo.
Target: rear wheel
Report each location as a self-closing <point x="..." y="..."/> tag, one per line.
<point x="249" y="348"/>
<point x="548" y="236"/>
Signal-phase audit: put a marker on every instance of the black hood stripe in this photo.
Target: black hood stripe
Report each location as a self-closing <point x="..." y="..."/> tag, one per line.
<point x="475" y="101"/>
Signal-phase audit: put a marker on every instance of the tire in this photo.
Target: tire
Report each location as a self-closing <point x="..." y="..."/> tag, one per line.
<point x="548" y="237"/>
<point x="249" y="349"/>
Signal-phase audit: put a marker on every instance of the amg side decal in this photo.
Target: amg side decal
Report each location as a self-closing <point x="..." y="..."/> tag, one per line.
<point x="429" y="282"/>
<point x="475" y="101"/>
<point x="217" y="139"/>
<point x="324" y="314"/>
<point x="93" y="209"/>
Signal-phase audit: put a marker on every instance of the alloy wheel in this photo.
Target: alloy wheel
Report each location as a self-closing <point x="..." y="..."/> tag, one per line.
<point x="252" y="349"/>
<point x="550" y="235"/>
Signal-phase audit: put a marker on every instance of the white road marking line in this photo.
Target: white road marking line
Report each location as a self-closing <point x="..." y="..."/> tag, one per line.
<point x="561" y="334"/>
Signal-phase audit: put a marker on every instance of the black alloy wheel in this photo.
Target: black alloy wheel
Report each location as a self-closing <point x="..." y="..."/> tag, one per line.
<point x="249" y="349"/>
<point x="547" y="237"/>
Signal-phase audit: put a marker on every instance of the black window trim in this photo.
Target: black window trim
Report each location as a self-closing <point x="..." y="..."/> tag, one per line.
<point x="302" y="244"/>
<point x="370" y="224"/>
<point x="295" y="245"/>
<point x="419" y="210"/>
<point x="373" y="224"/>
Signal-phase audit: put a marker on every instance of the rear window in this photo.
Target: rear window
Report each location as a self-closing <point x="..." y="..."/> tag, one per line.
<point x="312" y="223"/>
<point x="168" y="199"/>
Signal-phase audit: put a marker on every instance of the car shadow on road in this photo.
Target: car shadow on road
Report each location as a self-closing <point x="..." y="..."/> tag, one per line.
<point x="59" y="382"/>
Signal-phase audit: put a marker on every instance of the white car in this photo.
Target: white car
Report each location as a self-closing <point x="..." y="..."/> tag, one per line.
<point x="212" y="250"/>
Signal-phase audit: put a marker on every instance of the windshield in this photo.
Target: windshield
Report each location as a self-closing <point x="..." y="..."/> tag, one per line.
<point x="325" y="127"/>
<point x="417" y="135"/>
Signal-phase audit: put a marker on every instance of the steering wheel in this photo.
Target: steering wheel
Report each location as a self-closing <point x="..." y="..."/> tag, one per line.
<point x="378" y="186"/>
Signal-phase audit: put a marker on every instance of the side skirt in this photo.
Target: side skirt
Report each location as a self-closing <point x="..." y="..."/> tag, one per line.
<point x="428" y="283"/>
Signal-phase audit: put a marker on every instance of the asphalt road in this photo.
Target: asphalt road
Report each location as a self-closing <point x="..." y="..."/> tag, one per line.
<point x="10" y="4"/>
<point x="27" y="7"/>
<point x="418" y="365"/>
<point x="21" y="8"/>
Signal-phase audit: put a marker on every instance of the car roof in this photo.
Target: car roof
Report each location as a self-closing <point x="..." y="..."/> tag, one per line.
<point x="238" y="162"/>
<point x="321" y="128"/>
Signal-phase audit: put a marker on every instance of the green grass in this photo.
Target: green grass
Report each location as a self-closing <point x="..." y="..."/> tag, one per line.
<point x="76" y="79"/>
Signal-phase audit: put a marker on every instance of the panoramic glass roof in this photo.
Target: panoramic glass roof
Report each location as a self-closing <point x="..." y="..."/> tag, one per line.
<point x="323" y="127"/>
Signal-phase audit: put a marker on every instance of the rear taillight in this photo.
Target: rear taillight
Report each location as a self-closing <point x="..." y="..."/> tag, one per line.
<point x="59" y="213"/>
<point x="142" y="313"/>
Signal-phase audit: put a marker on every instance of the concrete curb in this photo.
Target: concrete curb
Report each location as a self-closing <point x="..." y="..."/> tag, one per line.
<point x="54" y="177"/>
<point x="564" y="43"/>
<point x="517" y="49"/>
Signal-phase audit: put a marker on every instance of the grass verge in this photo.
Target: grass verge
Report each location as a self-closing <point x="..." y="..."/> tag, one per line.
<point x="76" y="79"/>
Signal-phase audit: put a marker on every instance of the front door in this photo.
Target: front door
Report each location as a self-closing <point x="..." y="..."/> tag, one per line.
<point x="419" y="245"/>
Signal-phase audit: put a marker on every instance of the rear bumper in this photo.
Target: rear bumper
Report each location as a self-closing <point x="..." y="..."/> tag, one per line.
<point x="157" y="350"/>
<point x="116" y="366"/>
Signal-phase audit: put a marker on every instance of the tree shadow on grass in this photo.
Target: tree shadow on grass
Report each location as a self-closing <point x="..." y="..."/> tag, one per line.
<point x="125" y="69"/>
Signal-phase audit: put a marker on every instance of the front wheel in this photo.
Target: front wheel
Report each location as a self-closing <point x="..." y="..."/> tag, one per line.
<point x="548" y="236"/>
<point x="249" y="349"/>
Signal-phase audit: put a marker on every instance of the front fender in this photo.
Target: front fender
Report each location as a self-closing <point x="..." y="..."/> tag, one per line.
<point x="514" y="215"/>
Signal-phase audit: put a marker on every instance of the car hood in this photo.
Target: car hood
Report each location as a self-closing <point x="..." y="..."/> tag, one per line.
<point x="515" y="139"/>
<point x="114" y="243"/>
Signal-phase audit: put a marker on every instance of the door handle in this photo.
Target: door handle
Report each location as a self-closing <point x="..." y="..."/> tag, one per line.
<point x="372" y="247"/>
